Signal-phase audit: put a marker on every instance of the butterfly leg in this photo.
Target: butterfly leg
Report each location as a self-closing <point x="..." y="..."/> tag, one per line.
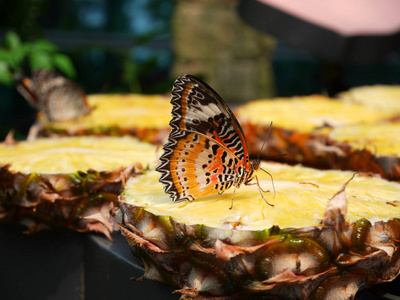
<point x="233" y="197"/>
<point x="259" y="189"/>
<point x="262" y="196"/>
<point x="256" y="183"/>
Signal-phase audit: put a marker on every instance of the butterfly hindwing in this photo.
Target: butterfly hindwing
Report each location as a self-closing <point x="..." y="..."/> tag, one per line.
<point x="206" y="149"/>
<point x="198" y="166"/>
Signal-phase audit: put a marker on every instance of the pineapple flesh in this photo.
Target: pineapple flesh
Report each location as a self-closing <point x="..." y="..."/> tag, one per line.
<point x="325" y="133"/>
<point x="68" y="182"/>
<point x="143" y="116"/>
<point x="379" y="97"/>
<point x="327" y="236"/>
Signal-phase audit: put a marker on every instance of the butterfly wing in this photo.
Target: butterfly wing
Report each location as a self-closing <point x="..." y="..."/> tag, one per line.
<point x="198" y="108"/>
<point x="206" y="145"/>
<point x="194" y="166"/>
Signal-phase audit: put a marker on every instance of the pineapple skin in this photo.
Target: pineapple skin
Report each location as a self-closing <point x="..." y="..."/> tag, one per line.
<point x="79" y="201"/>
<point x="318" y="151"/>
<point x="331" y="261"/>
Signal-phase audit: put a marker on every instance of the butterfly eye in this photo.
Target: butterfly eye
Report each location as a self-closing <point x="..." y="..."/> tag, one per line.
<point x="256" y="165"/>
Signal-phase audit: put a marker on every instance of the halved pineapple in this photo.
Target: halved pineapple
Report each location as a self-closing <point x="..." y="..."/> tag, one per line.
<point x="367" y="147"/>
<point x="143" y="116"/>
<point x="68" y="182"/>
<point x="326" y="237"/>
<point x="380" y="97"/>
<point x="313" y="130"/>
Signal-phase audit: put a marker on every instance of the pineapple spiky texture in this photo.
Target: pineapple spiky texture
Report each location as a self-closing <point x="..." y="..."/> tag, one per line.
<point x="68" y="182"/>
<point x="325" y="133"/>
<point x="143" y="116"/>
<point x="328" y="235"/>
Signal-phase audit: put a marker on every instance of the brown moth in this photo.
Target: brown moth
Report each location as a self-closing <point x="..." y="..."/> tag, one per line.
<point x="56" y="96"/>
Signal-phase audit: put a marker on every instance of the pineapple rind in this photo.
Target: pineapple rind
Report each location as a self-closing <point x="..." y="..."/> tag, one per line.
<point x="358" y="133"/>
<point x="308" y="268"/>
<point x="80" y="201"/>
<point x="324" y="151"/>
<point x="348" y="249"/>
<point x="50" y="183"/>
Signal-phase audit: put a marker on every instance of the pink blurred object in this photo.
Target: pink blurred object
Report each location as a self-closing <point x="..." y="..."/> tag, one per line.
<point x="342" y="31"/>
<point x="347" y="17"/>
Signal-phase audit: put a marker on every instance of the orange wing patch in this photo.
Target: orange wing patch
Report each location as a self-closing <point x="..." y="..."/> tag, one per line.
<point x="185" y="94"/>
<point x="201" y="166"/>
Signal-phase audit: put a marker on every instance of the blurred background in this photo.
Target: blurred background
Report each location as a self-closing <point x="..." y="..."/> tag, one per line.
<point x="141" y="46"/>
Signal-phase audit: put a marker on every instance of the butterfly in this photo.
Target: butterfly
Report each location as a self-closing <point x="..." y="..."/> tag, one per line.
<point x="206" y="152"/>
<point x="56" y="96"/>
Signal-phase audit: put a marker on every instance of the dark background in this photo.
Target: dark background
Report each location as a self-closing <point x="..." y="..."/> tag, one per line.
<point x="130" y="46"/>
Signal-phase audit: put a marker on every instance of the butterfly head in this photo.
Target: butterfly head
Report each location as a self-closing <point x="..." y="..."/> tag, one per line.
<point x="255" y="165"/>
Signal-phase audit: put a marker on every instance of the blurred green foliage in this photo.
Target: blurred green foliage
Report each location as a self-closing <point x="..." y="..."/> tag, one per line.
<point x="105" y="46"/>
<point x="17" y="56"/>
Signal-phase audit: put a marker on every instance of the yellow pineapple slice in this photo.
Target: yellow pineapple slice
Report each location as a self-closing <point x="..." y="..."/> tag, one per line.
<point x="326" y="237"/>
<point x="306" y="130"/>
<point x="379" y="97"/>
<point x="68" y="182"/>
<point x="143" y="116"/>
<point x="307" y="113"/>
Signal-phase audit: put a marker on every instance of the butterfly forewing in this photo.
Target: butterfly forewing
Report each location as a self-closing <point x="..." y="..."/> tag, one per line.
<point x="206" y="149"/>
<point x="197" y="107"/>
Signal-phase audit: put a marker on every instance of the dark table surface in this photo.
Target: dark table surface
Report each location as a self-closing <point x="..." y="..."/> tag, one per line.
<point x="70" y="265"/>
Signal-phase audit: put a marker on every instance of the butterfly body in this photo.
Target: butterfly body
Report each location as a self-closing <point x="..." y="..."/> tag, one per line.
<point x="206" y="152"/>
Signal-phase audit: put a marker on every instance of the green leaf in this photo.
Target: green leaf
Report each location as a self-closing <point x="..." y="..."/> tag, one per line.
<point x="44" y="45"/>
<point x="12" y="40"/>
<point x="40" y="60"/>
<point x="17" y="56"/>
<point x="5" y="75"/>
<point x="5" y="56"/>
<point x="64" y="64"/>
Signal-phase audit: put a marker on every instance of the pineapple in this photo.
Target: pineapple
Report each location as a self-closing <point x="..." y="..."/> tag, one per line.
<point x="143" y="116"/>
<point x="328" y="235"/>
<point x="367" y="147"/>
<point x="380" y="97"/>
<point x="68" y="182"/>
<point x="325" y="133"/>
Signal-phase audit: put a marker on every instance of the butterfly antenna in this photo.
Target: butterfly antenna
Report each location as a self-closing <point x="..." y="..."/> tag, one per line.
<point x="272" y="180"/>
<point x="265" y="140"/>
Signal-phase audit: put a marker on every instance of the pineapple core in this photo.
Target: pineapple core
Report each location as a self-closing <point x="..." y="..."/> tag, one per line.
<point x="301" y="198"/>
